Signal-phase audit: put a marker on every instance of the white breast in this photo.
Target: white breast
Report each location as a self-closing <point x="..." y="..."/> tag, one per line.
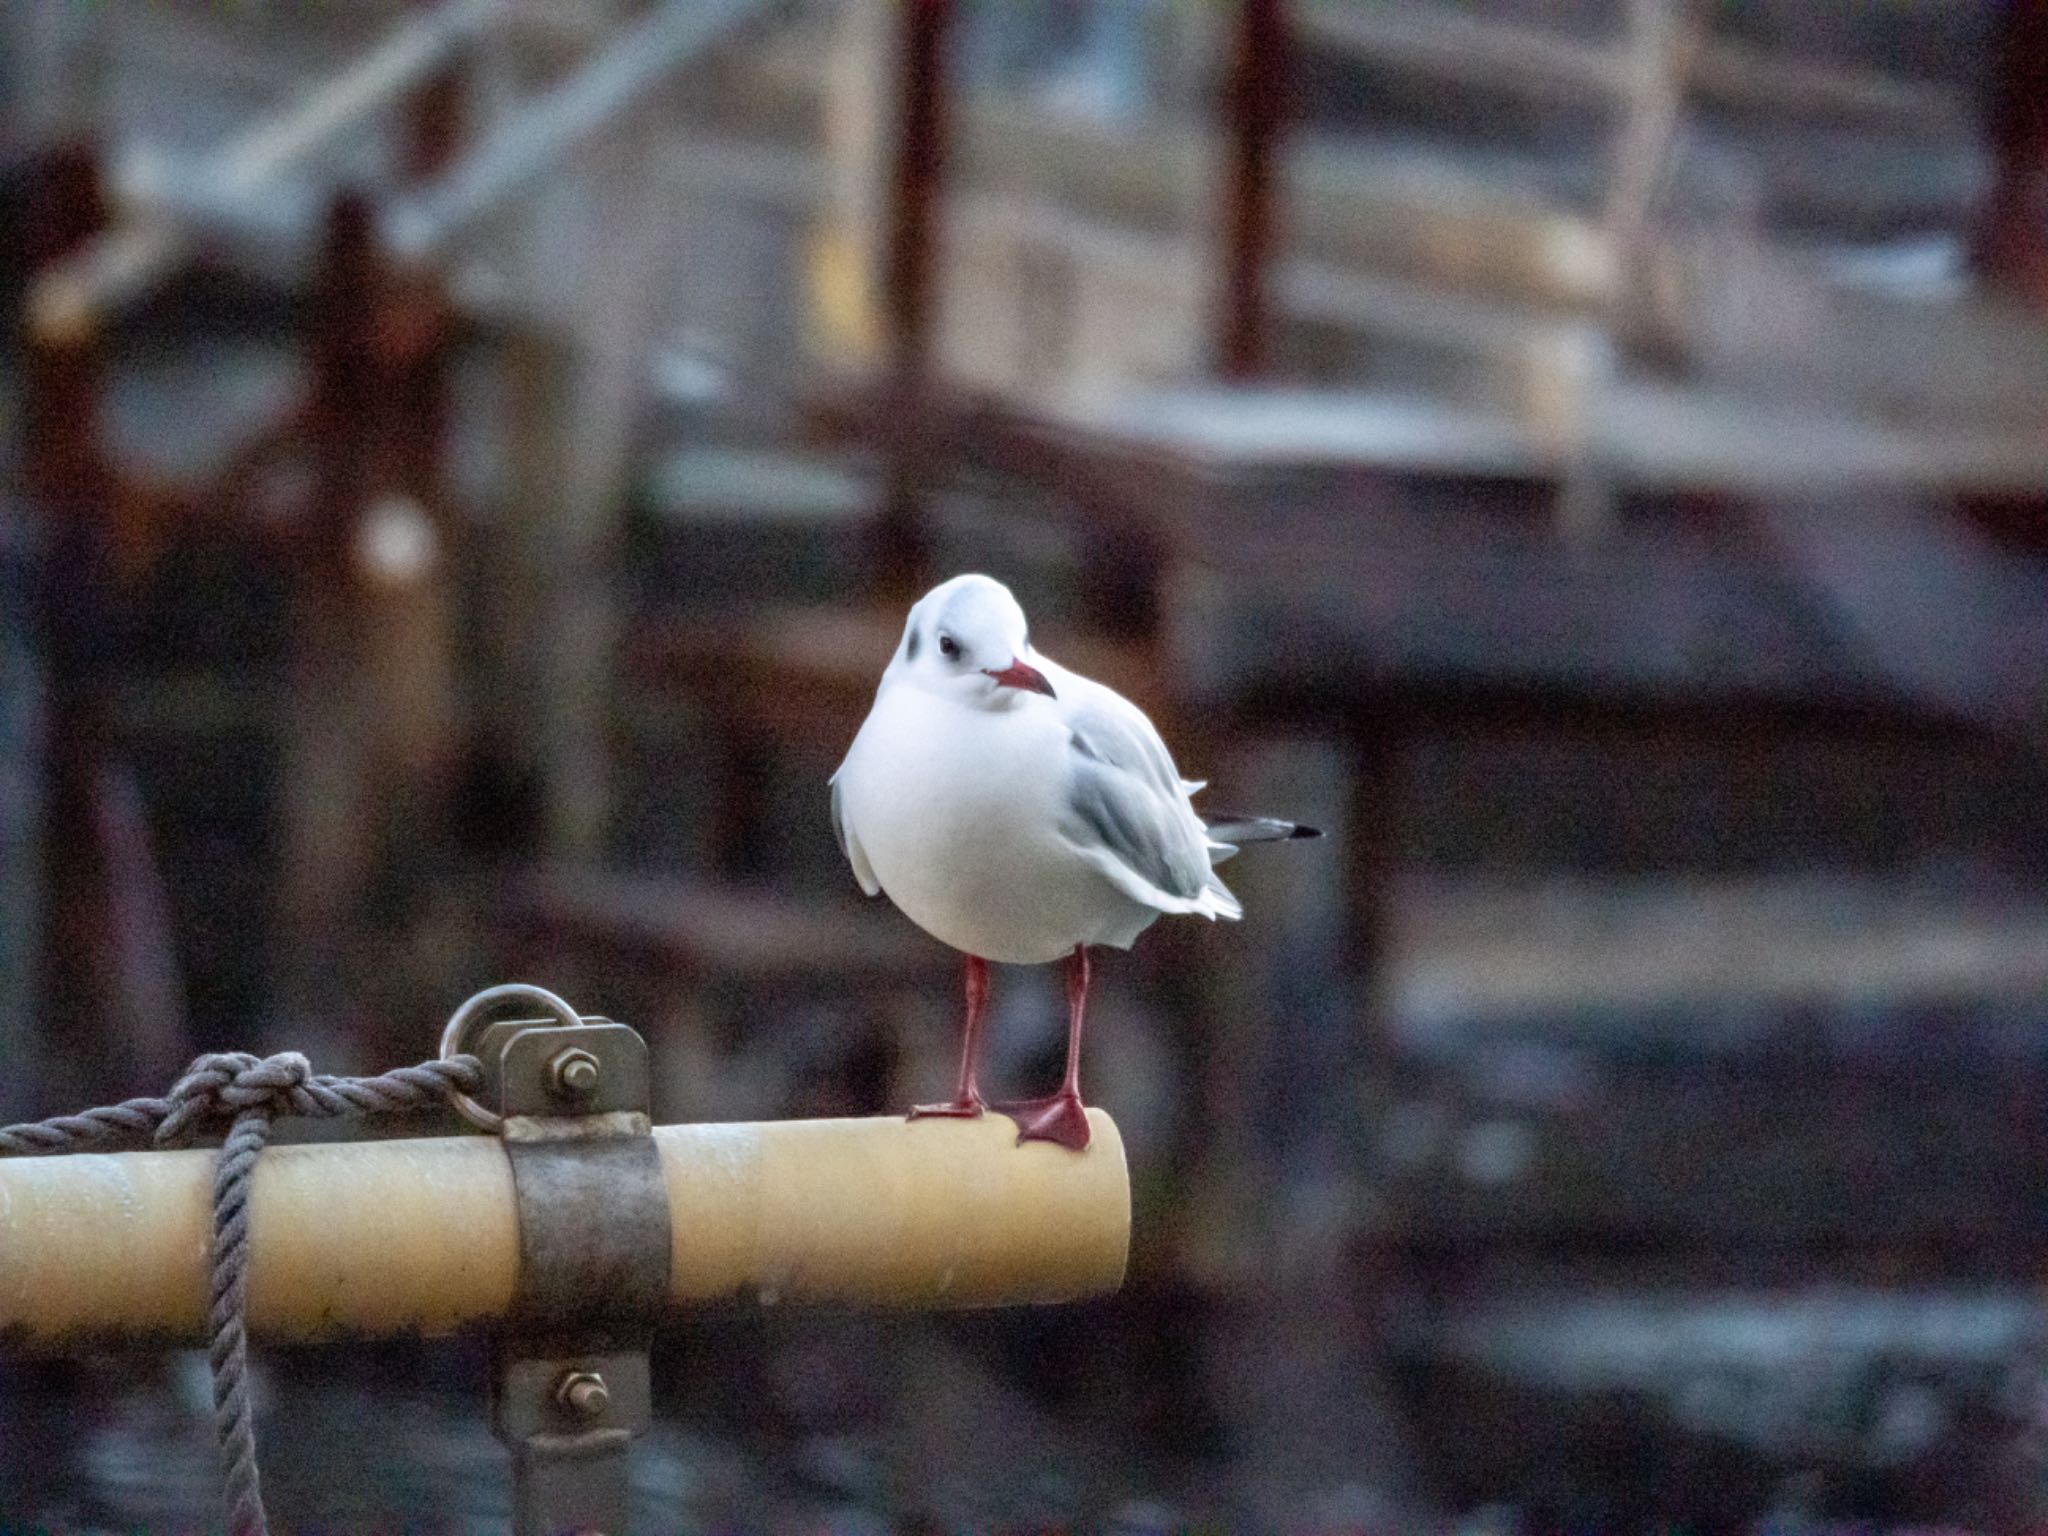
<point x="959" y="812"/>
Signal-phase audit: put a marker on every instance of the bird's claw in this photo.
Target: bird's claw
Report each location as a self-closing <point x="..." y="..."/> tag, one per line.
<point x="1060" y="1118"/>
<point x="955" y="1109"/>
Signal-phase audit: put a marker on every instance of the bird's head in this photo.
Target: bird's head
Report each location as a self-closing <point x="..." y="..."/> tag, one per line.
<point x="967" y="640"/>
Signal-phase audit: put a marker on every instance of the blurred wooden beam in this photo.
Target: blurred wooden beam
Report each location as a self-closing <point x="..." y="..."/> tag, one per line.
<point x="700" y="930"/>
<point x="1653" y="100"/>
<point x="1479" y="52"/>
<point x="1757" y="80"/>
<point x="1153" y="174"/>
<point x="1640" y="158"/>
<point x="1482" y="952"/>
<point x="1795" y="1162"/>
<point x="1302" y="287"/>
<point x="593" y="437"/>
<point x="128" y="259"/>
<point x="1463" y="48"/>
<point x="1649" y="436"/>
<point x="415" y="54"/>
<point x="631" y="67"/>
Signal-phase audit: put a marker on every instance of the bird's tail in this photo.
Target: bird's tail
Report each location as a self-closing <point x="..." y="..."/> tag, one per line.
<point x="1226" y="833"/>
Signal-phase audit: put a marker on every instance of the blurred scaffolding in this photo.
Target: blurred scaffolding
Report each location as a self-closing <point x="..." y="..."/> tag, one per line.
<point x="473" y="459"/>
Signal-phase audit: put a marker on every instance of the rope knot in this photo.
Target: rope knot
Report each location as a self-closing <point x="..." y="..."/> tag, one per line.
<point x="240" y="1094"/>
<point x="223" y="1084"/>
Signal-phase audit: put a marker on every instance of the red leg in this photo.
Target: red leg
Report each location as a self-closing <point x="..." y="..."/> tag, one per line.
<point x="1061" y="1118"/>
<point x="966" y="1102"/>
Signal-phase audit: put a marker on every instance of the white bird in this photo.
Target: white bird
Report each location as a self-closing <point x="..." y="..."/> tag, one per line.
<point x="1021" y="812"/>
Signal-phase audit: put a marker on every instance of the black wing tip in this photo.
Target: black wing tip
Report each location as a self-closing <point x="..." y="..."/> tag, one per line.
<point x="1305" y="831"/>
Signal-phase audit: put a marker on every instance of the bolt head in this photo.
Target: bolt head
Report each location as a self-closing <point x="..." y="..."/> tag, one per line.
<point x="584" y="1394"/>
<point x="573" y="1074"/>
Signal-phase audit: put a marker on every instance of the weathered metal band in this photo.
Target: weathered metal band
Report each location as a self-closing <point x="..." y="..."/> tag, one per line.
<point x="593" y="1233"/>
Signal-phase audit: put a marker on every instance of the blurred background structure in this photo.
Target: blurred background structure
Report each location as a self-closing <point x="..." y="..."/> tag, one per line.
<point x="465" y="467"/>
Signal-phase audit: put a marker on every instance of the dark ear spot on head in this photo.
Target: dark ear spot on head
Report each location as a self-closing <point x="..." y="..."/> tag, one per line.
<point x="911" y="644"/>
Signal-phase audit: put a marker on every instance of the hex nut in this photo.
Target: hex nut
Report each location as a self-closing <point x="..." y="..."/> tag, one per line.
<point x="573" y="1074"/>
<point x="583" y="1393"/>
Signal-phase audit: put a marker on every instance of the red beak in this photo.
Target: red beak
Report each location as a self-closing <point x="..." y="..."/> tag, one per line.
<point x="1018" y="675"/>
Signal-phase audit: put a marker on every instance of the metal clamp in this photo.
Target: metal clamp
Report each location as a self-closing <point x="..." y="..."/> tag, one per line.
<point x="572" y="1386"/>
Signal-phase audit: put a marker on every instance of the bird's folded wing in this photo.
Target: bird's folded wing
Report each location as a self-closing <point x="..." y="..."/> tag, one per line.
<point x="1129" y="814"/>
<point x="850" y="846"/>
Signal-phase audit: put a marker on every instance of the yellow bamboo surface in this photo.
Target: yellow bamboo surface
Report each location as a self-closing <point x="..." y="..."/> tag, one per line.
<point x="382" y="1237"/>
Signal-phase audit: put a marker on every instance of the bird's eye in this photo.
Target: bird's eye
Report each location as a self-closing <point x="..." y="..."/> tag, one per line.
<point x="949" y="648"/>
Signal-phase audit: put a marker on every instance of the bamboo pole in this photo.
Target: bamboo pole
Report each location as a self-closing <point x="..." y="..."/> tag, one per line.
<point x="419" y="1236"/>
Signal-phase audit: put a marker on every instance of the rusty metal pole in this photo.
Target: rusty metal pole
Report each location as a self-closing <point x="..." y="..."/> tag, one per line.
<point x="347" y="288"/>
<point x="63" y="467"/>
<point x="1255" y="115"/>
<point x="64" y="472"/>
<point x="322" y="783"/>
<point x="2012" y="237"/>
<point x="2009" y="248"/>
<point x="404" y="548"/>
<point x="434" y="122"/>
<point x="423" y="316"/>
<point x="903" y="545"/>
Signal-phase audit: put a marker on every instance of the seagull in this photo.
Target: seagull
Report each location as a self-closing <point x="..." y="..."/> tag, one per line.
<point x="1021" y="813"/>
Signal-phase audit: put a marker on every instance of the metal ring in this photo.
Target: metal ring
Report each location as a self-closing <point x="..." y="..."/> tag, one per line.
<point x="473" y="1012"/>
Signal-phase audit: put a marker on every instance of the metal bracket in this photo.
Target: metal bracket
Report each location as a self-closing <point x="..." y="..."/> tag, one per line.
<point x="572" y="1385"/>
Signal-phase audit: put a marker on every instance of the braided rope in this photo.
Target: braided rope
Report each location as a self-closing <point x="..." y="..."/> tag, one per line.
<point x="243" y="1094"/>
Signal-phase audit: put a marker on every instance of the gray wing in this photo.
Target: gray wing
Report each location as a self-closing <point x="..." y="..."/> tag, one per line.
<point x="1125" y="796"/>
<point x="855" y="855"/>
